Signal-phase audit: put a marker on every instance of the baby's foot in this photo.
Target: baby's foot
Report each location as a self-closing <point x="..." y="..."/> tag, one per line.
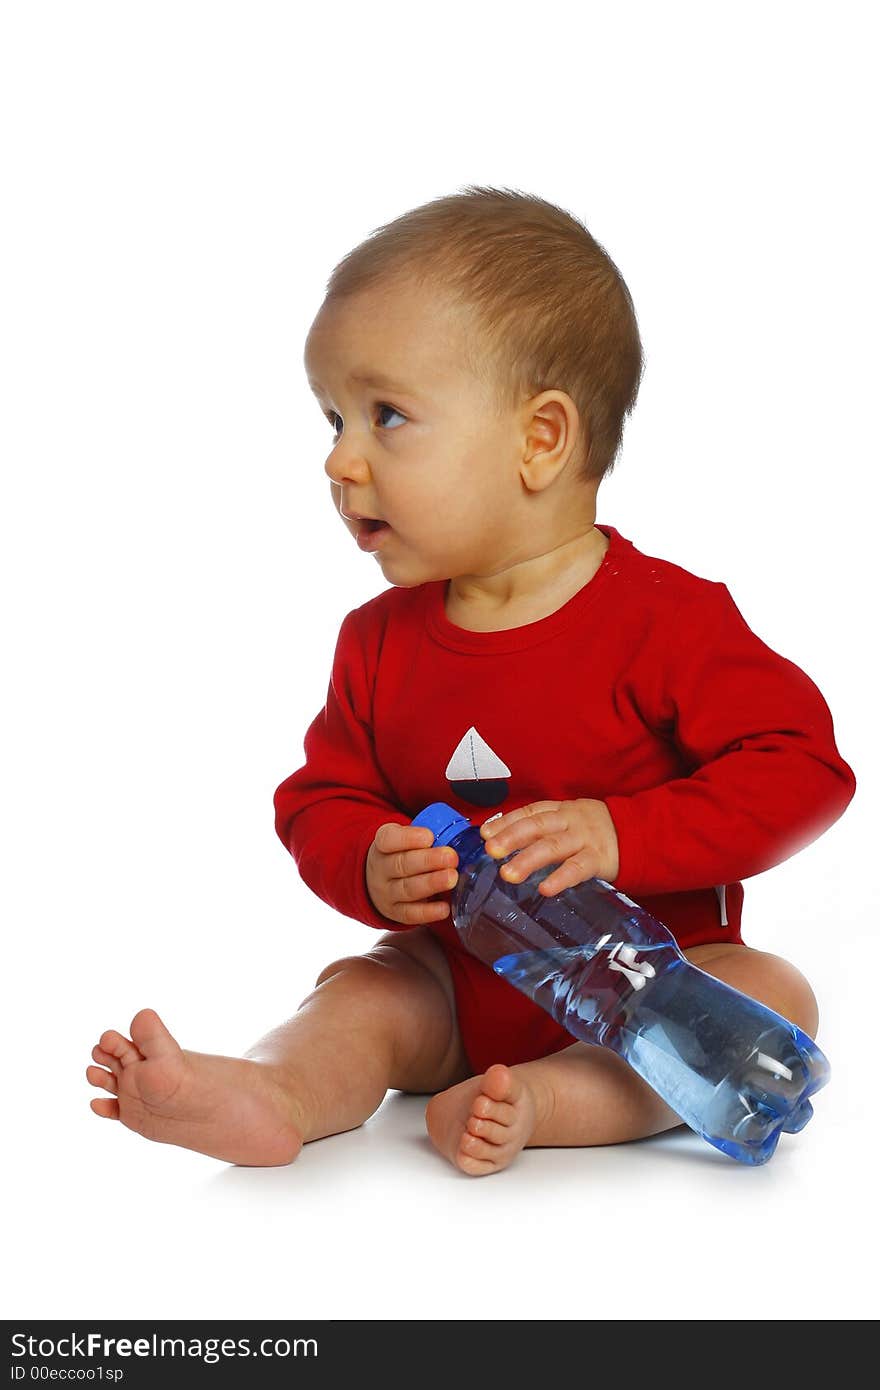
<point x="228" y="1107"/>
<point x="481" y="1124"/>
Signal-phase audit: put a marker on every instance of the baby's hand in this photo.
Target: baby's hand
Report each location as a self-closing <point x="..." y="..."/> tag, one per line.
<point x="403" y="869"/>
<point x="579" y="836"/>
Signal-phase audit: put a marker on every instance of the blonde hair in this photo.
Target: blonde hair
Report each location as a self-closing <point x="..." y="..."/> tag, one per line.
<point x="553" y="310"/>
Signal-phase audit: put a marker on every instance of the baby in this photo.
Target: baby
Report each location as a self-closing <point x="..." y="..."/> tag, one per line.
<point x="591" y="706"/>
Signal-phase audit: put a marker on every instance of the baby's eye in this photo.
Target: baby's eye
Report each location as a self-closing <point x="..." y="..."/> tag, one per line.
<point x="333" y="417"/>
<point x="392" y="409"/>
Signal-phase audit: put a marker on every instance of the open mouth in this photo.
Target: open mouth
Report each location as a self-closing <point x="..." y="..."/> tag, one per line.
<point x="370" y="532"/>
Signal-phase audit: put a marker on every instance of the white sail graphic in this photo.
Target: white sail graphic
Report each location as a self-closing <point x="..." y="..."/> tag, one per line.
<point x="474" y="761"/>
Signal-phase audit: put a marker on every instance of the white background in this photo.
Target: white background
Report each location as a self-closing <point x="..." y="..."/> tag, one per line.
<point x="179" y="180"/>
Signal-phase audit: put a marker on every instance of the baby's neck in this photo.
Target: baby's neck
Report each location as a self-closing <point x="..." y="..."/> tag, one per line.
<point x="528" y="591"/>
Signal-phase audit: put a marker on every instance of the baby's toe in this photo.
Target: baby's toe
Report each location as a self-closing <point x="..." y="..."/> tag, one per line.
<point x="488" y="1130"/>
<point x="123" y="1049"/>
<point x="501" y="1084"/>
<point x="106" y="1059"/>
<point x="105" y="1079"/>
<point x="151" y="1035"/>
<point x="475" y="1161"/>
<point x="106" y="1108"/>
<point x="475" y="1169"/>
<point x="500" y="1112"/>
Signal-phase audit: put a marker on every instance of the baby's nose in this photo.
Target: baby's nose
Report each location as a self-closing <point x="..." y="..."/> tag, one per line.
<point x="347" y="466"/>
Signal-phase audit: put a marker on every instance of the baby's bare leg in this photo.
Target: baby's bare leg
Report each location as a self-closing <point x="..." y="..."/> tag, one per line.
<point x="584" y="1096"/>
<point x="378" y="1021"/>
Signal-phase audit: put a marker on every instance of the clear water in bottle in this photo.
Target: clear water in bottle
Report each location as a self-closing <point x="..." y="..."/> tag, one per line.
<point x="612" y="975"/>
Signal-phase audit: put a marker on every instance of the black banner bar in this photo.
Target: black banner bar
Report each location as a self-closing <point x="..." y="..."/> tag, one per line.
<point x="221" y="1353"/>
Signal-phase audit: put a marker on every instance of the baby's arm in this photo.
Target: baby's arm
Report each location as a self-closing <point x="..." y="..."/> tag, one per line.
<point x="330" y="813"/>
<point x="767" y="777"/>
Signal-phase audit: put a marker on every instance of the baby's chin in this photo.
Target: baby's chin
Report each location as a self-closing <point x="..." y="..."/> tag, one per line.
<point x="408" y="572"/>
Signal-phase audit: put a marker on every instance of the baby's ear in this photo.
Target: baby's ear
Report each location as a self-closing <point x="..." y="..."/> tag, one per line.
<point x="550" y="437"/>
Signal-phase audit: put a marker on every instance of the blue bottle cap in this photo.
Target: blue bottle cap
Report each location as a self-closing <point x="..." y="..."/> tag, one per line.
<point x="443" y="820"/>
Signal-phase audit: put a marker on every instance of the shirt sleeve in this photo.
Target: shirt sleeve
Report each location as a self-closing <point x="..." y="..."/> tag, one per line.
<point x="327" y="813"/>
<point x="766" y="777"/>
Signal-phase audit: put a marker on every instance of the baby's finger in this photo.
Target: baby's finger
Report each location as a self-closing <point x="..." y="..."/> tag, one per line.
<point x="392" y="838"/>
<point x="421" y="861"/>
<point x="414" y="914"/>
<point x="420" y="886"/>
<point x="549" y="825"/>
<point x="575" y="870"/>
<point x="550" y="849"/>
<point x="499" y="825"/>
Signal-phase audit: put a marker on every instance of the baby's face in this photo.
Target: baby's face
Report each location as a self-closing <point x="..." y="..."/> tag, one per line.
<point x="419" y="446"/>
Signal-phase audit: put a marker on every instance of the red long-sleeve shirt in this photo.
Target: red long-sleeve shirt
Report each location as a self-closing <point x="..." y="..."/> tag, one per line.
<point x="647" y="690"/>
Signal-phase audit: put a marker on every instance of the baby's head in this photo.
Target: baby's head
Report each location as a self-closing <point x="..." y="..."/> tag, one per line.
<point x="477" y="358"/>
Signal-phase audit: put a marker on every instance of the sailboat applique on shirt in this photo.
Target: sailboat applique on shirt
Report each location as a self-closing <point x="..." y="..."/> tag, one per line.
<point x="476" y="774"/>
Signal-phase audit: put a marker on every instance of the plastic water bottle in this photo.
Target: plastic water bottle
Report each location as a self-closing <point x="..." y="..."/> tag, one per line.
<point x="611" y="974"/>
